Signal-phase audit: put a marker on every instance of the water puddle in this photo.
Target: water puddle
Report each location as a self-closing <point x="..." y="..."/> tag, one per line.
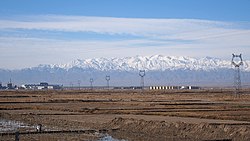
<point x="12" y="126"/>
<point x="110" y="138"/>
<point x="7" y="126"/>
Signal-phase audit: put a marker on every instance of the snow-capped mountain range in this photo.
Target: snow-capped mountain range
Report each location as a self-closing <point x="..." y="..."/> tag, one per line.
<point x="150" y="63"/>
<point x="160" y="70"/>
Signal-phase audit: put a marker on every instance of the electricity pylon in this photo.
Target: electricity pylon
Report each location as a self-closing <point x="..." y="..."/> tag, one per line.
<point x="237" y="79"/>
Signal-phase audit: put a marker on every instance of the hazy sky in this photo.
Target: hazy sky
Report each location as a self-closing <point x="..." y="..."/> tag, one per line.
<point x="36" y="32"/>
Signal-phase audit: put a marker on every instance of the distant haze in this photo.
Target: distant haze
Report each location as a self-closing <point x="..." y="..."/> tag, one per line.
<point x="160" y="70"/>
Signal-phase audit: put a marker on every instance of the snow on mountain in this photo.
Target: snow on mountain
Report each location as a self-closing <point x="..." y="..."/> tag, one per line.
<point x="152" y="63"/>
<point x="161" y="70"/>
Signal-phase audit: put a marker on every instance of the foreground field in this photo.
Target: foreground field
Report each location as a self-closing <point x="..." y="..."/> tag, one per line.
<point x="147" y="116"/>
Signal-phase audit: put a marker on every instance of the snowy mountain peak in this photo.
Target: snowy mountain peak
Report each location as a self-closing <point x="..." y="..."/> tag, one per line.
<point x="153" y="63"/>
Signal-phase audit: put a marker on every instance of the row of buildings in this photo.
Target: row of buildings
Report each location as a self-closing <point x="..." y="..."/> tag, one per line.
<point x="174" y="87"/>
<point x="41" y="86"/>
<point x="152" y="88"/>
<point x="9" y="86"/>
<point x="160" y="87"/>
<point x="47" y="86"/>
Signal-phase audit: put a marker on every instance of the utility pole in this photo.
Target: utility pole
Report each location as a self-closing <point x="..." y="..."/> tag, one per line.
<point x="79" y="84"/>
<point x="71" y="85"/>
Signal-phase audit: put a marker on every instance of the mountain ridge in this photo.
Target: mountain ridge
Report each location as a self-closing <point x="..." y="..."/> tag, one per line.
<point x="150" y="63"/>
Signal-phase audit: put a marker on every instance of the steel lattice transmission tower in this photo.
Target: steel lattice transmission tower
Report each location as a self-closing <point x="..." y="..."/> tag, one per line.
<point x="107" y="79"/>
<point x="79" y="84"/>
<point x="237" y="79"/>
<point x="142" y="74"/>
<point x="91" y="80"/>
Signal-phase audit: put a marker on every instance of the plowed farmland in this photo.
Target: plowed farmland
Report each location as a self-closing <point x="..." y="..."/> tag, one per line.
<point x="131" y="115"/>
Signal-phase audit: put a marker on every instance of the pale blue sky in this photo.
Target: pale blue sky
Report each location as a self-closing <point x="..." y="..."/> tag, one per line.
<point x="36" y="32"/>
<point x="226" y="10"/>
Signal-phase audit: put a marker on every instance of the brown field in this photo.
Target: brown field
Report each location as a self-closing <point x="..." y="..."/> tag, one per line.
<point x="135" y="116"/>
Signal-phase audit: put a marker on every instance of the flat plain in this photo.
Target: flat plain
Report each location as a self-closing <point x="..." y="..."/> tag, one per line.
<point x="132" y="115"/>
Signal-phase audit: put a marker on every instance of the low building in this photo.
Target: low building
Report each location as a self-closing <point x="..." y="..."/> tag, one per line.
<point x="164" y="87"/>
<point x="173" y="87"/>
<point x="42" y="86"/>
<point x="9" y="86"/>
